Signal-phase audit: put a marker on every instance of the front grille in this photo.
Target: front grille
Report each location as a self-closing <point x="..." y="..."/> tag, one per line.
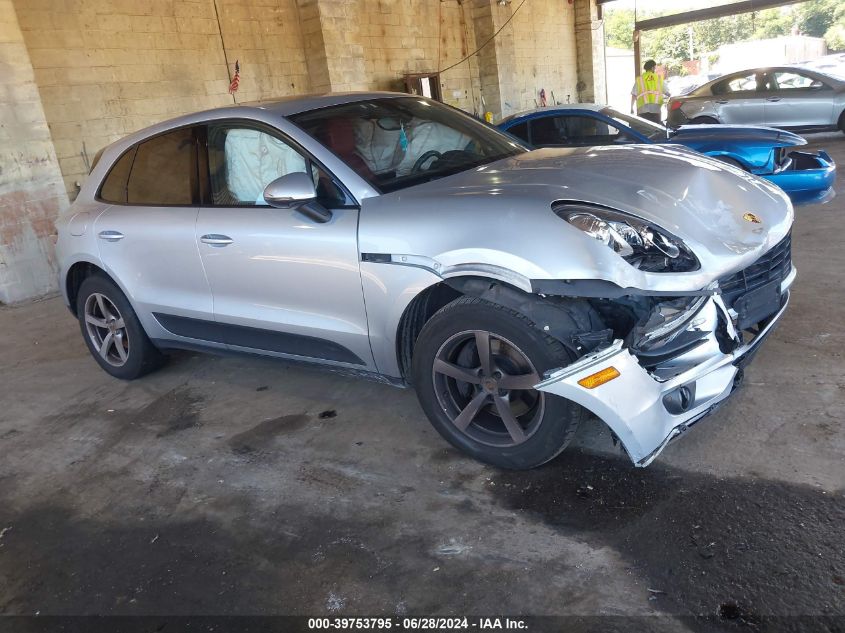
<point x="773" y="265"/>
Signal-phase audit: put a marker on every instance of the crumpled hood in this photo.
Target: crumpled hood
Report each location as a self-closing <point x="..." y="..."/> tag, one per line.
<point x="735" y="134"/>
<point x="505" y="207"/>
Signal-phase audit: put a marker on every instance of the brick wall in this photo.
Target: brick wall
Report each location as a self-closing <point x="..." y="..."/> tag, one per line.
<point x="420" y="36"/>
<point x="109" y="67"/>
<point x="539" y="50"/>
<point x="31" y="189"/>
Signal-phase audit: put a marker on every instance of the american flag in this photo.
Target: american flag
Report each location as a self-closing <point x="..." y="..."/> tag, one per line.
<point x="236" y="80"/>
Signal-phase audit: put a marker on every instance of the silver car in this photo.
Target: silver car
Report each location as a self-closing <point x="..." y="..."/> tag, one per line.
<point x="783" y="97"/>
<point x="395" y="237"/>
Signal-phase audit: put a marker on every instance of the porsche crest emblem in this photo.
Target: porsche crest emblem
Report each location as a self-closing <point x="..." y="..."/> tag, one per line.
<point x="750" y="217"/>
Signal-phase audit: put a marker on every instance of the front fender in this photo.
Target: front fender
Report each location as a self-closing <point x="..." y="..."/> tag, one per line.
<point x="390" y="284"/>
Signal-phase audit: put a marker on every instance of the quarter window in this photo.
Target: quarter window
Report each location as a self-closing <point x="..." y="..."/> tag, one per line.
<point x="165" y="170"/>
<point x="114" y="186"/>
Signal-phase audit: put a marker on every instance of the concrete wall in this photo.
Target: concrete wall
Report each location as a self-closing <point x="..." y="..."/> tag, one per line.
<point x="31" y="188"/>
<point x="83" y="73"/>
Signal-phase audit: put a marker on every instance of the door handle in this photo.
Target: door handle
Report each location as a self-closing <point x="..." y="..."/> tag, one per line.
<point x="773" y="98"/>
<point x="216" y="240"/>
<point x="722" y="101"/>
<point x="111" y="236"/>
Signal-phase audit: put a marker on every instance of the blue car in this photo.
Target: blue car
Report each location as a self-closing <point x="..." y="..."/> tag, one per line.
<point x="806" y="177"/>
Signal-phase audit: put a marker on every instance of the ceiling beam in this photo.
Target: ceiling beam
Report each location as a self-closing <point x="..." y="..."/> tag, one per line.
<point x="687" y="17"/>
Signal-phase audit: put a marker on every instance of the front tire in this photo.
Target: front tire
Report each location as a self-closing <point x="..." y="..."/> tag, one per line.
<point x="474" y="367"/>
<point x="704" y="120"/>
<point x="112" y="331"/>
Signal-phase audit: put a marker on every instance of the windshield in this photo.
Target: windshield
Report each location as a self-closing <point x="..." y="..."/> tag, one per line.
<point x="399" y="142"/>
<point x="652" y="131"/>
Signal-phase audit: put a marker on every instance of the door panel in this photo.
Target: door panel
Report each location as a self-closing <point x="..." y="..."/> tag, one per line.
<point x="156" y="260"/>
<point x="147" y="237"/>
<point x="796" y="100"/>
<point x="738" y="99"/>
<point x="280" y="282"/>
<point x="285" y="273"/>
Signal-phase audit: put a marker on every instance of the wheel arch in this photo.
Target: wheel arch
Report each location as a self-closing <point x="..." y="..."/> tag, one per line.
<point x="77" y="273"/>
<point x="564" y="319"/>
<point x="733" y="156"/>
<point x="705" y="115"/>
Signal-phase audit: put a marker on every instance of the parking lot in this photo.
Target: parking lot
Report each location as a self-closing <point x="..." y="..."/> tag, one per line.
<point x="230" y="485"/>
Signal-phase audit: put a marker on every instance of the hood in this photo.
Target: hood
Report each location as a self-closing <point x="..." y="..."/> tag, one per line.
<point x="735" y="134"/>
<point x="504" y="211"/>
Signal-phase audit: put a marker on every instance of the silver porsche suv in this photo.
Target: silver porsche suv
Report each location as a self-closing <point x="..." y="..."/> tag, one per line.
<point x="393" y="236"/>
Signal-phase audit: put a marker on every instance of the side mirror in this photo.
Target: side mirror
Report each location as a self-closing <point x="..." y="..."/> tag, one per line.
<point x="290" y="191"/>
<point x="296" y="191"/>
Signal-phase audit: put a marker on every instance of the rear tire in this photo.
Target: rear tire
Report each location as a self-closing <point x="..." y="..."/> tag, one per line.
<point x="704" y="120"/>
<point x="488" y="408"/>
<point x="841" y="123"/>
<point x="112" y="331"/>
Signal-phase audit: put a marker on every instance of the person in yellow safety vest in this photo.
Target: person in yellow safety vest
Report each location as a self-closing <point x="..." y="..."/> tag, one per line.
<point x="649" y="93"/>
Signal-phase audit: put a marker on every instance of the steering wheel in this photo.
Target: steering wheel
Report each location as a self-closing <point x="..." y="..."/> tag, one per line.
<point x="422" y="160"/>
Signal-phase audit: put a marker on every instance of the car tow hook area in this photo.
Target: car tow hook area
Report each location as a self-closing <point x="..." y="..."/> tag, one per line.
<point x="646" y="411"/>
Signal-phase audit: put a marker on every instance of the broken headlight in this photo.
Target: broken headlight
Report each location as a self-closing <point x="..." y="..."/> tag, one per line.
<point x="641" y="244"/>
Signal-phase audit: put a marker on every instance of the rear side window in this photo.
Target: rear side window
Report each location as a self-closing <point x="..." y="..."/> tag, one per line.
<point x="164" y="171"/>
<point x="549" y="130"/>
<point x="114" y="186"/>
<point x="739" y="83"/>
<point x="520" y="131"/>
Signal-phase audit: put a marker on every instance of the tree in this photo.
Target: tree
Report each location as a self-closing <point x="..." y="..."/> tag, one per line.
<point x="671" y="45"/>
<point x="834" y="37"/>
<point x="817" y="16"/>
<point x="773" y="23"/>
<point x="619" y="28"/>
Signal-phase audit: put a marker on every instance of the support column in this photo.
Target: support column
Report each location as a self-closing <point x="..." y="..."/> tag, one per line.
<point x="496" y="60"/>
<point x="589" y="45"/>
<point x="333" y="47"/>
<point x="32" y="192"/>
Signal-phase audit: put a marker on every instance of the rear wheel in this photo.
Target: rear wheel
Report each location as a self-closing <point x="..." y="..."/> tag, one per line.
<point x="704" y="120"/>
<point x="841" y="123"/>
<point x="112" y="332"/>
<point x="474" y="367"/>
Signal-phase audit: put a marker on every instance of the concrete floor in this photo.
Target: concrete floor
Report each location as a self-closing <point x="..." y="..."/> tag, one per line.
<point x="244" y="486"/>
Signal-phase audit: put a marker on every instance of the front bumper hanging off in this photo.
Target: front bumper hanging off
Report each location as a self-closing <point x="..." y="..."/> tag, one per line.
<point x="806" y="177"/>
<point x="647" y="408"/>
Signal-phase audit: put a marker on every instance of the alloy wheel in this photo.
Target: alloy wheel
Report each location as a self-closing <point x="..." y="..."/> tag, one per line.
<point x="106" y="329"/>
<point x="485" y="384"/>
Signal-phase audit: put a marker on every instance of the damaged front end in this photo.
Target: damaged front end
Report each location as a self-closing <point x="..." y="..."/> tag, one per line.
<point x="673" y="360"/>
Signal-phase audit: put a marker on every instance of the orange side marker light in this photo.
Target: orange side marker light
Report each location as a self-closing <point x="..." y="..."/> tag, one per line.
<point x="599" y="378"/>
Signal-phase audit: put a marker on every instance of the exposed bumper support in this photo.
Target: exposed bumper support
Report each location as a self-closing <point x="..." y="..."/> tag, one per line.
<point x="808" y="179"/>
<point x="647" y="409"/>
